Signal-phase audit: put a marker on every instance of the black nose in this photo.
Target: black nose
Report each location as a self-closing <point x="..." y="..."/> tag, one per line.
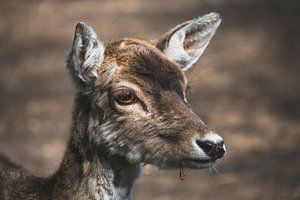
<point x="214" y="150"/>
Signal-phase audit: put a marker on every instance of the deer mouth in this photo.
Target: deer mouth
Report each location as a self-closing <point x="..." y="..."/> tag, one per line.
<point x="195" y="163"/>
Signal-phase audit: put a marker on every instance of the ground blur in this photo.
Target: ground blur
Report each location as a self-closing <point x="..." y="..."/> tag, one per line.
<point x="246" y="86"/>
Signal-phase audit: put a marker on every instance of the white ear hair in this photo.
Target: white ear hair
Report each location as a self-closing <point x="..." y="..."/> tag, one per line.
<point x="186" y="42"/>
<point x="87" y="54"/>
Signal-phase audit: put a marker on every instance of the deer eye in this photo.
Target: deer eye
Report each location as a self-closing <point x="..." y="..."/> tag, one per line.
<point x="126" y="98"/>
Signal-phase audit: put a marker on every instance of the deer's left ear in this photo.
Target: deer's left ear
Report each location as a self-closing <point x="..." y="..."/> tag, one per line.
<point x="185" y="43"/>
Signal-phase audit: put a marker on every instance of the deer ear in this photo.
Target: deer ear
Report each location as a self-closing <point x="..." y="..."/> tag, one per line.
<point x="185" y="43"/>
<point x="86" y="55"/>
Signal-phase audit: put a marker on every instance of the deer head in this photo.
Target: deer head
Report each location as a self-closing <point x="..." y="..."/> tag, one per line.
<point x="136" y="92"/>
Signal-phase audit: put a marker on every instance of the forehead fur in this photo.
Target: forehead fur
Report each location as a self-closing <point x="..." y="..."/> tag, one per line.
<point x="141" y="58"/>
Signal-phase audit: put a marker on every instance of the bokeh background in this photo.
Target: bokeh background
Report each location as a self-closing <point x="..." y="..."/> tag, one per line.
<point x="246" y="86"/>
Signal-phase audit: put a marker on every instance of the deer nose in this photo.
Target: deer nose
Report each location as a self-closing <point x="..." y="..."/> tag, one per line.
<point x="214" y="150"/>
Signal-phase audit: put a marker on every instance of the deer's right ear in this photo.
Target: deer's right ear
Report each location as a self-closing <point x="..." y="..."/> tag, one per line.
<point x="86" y="56"/>
<point x="185" y="43"/>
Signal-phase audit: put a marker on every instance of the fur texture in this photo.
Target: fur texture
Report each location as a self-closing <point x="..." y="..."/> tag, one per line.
<point x="110" y="138"/>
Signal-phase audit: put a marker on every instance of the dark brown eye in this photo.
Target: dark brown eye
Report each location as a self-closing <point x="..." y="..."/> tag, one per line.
<point x="126" y="98"/>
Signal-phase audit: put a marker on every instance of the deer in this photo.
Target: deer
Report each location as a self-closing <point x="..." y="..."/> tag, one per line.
<point x="130" y="110"/>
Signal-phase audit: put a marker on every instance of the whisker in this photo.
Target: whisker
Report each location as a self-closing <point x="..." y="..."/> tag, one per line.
<point x="181" y="173"/>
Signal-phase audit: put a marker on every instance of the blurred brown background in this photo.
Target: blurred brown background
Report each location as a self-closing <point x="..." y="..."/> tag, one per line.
<point x="246" y="86"/>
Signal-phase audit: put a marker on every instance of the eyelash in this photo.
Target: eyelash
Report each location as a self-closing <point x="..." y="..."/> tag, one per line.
<point x="126" y="98"/>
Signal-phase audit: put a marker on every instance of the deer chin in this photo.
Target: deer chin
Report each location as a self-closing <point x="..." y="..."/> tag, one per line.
<point x="196" y="163"/>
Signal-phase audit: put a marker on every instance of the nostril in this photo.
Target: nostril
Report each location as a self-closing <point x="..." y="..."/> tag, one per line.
<point x="220" y="151"/>
<point x="213" y="150"/>
<point x="205" y="146"/>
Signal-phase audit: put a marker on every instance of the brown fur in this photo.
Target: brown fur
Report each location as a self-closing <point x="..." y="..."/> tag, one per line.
<point x="108" y="142"/>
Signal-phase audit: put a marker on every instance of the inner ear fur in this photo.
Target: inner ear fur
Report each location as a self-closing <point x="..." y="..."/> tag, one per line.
<point x="185" y="43"/>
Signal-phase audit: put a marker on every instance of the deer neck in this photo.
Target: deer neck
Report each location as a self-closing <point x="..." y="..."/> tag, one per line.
<point x="88" y="172"/>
